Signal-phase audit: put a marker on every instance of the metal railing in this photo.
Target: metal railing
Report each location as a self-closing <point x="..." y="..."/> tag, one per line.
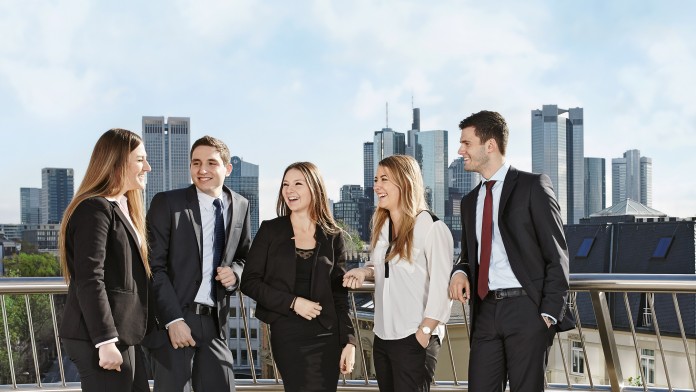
<point x="606" y="362"/>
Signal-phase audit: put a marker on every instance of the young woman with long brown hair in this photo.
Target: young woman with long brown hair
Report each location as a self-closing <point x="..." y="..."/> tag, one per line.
<point x="103" y="253"/>
<point x="412" y="255"/>
<point x="294" y="271"/>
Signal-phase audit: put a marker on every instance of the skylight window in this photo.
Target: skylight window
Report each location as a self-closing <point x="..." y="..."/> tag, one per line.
<point x="662" y="247"/>
<point x="585" y="247"/>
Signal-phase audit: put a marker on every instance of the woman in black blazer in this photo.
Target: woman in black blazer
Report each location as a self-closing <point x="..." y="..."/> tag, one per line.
<point x="103" y="252"/>
<point x="295" y="271"/>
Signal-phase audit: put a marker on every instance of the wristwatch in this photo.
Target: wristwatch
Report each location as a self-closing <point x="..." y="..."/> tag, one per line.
<point x="426" y="330"/>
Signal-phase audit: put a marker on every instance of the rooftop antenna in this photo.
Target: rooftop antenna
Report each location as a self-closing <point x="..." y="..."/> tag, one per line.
<point x="387" y="114"/>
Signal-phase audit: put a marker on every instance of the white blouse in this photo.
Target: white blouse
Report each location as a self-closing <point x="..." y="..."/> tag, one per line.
<point x="414" y="290"/>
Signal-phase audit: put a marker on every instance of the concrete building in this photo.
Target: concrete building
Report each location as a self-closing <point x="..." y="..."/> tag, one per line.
<point x="30" y="205"/>
<point x="595" y="185"/>
<point x="168" y="145"/>
<point x="558" y="151"/>
<point x="245" y="181"/>
<point x="433" y="162"/>
<point x="631" y="178"/>
<point x="57" y="189"/>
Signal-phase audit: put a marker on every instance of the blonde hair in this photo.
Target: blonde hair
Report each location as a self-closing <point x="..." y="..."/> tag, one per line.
<point x="404" y="172"/>
<point x="106" y="176"/>
<point x="319" y="207"/>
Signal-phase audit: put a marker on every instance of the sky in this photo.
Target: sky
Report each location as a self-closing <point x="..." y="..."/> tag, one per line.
<point x="283" y="81"/>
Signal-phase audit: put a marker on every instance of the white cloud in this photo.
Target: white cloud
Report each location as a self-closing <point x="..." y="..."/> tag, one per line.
<point x="221" y="20"/>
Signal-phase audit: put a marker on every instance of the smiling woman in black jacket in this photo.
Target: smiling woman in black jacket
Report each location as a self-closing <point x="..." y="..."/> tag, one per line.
<point x="103" y="252"/>
<point x="295" y="271"/>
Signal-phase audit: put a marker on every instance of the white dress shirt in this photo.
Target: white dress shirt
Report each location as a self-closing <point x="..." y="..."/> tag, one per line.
<point x="208" y="232"/>
<point x="414" y="290"/>
<point x="500" y="275"/>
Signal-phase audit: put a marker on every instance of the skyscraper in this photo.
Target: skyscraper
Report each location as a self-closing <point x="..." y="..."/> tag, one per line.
<point x="412" y="142"/>
<point x="595" y="185"/>
<point x="368" y="169"/>
<point x="558" y="151"/>
<point x="631" y="178"/>
<point x="575" y="153"/>
<point x="386" y="143"/>
<point x="354" y="210"/>
<point x="168" y="146"/>
<point x="30" y="203"/>
<point x="245" y="181"/>
<point x="461" y="182"/>
<point x="57" y="189"/>
<point x="433" y="146"/>
<point x="646" y="181"/>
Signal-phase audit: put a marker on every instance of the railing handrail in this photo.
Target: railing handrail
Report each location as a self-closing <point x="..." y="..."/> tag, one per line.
<point x="668" y="283"/>
<point x="596" y="284"/>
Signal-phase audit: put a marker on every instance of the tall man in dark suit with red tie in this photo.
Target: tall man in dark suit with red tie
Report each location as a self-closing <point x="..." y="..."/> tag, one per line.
<point x="514" y="262"/>
<point x="199" y="238"/>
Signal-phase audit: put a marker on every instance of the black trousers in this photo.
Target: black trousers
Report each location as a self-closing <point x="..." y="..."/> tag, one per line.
<point x="93" y="378"/>
<point x="206" y="367"/>
<point x="306" y="353"/>
<point x="403" y="365"/>
<point x="509" y="343"/>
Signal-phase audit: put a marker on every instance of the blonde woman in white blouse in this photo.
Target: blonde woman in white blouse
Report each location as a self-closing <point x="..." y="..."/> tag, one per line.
<point x="411" y="260"/>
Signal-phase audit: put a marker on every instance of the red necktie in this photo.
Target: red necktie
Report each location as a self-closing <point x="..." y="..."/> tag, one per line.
<point x="486" y="236"/>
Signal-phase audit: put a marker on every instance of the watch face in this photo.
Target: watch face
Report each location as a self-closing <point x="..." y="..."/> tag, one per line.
<point x="426" y="330"/>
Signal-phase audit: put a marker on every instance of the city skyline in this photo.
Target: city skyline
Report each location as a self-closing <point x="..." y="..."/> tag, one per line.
<point x="312" y="80"/>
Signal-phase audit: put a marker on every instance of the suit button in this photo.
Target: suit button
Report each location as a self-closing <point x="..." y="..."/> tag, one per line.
<point x="198" y="283"/>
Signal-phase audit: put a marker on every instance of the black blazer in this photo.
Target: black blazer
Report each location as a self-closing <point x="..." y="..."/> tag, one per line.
<point x="269" y="276"/>
<point x="530" y="224"/>
<point x="176" y="254"/>
<point x="108" y="292"/>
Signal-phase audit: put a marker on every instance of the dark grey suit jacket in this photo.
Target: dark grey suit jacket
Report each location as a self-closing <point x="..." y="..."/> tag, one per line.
<point x="108" y="292"/>
<point x="176" y="253"/>
<point x="529" y="219"/>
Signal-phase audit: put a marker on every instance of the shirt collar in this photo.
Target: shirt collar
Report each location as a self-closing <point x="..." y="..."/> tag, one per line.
<point x="206" y="201"/>
<point x="499" y="176"/>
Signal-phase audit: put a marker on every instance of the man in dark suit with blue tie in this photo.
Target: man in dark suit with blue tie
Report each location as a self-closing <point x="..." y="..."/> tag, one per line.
<point x="514" y="262"/>
<point x="199" y="238"/>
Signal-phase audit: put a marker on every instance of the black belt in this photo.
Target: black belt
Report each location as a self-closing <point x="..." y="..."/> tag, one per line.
<point x="203" y="310"/>
<point x="506" y="293"/>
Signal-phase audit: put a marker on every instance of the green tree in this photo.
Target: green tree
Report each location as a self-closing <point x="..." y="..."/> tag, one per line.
<point x="28" y="265"/>
<point x="37" y="264"/>
<point x="353" y="242"/>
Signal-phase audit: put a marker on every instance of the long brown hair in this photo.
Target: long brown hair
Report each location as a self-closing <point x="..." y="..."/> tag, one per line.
<point x="405" y="173"/>
<point x="319" y="208"/>
<point x="106" y="176"/>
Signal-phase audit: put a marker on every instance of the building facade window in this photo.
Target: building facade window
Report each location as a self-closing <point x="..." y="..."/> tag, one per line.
<point x="647" y="362"/>
<point x="577" y="359"/>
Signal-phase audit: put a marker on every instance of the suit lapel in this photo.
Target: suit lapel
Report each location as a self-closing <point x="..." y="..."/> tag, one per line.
<point x="127" y="225"/>
<point x="236" y="212"/>
<point x="193" y="210"/>
<point x="468" y="211"/>
<point x="508" y="185"/>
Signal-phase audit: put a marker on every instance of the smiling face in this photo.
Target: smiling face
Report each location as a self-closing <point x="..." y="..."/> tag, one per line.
<point x="473" y="151"/>
<point x="136" y="169"/>
<point x="295" y="191"/>
<point x="388" y="194"/>
<point x="208" y="170"/>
